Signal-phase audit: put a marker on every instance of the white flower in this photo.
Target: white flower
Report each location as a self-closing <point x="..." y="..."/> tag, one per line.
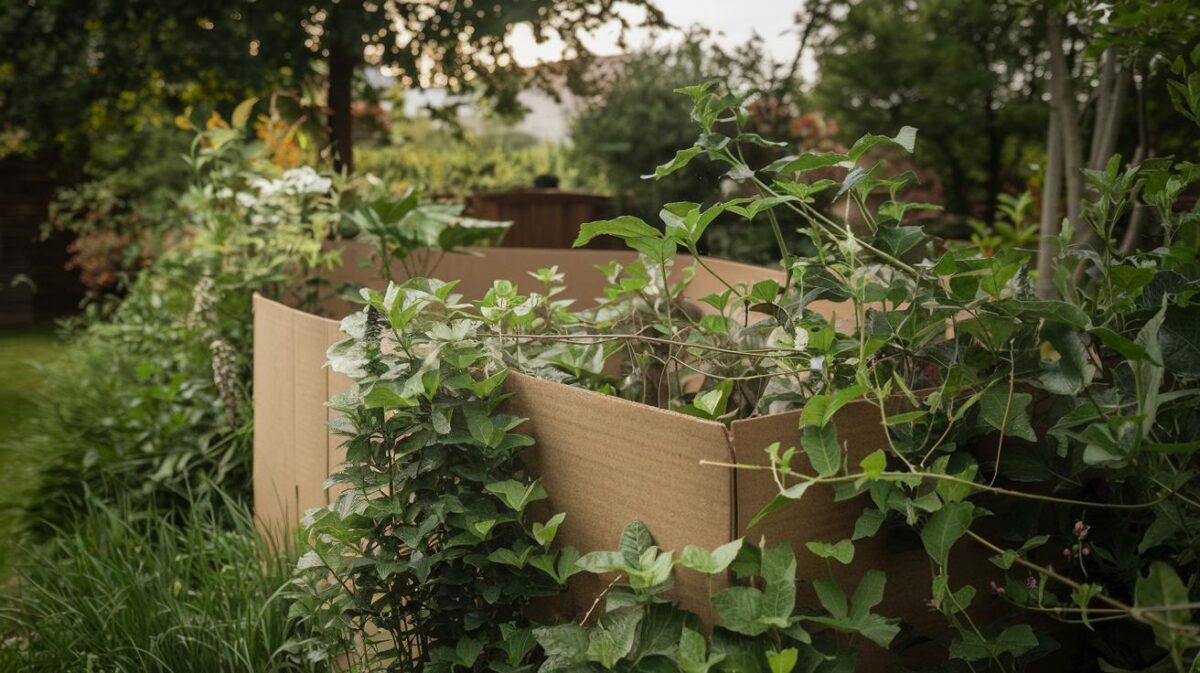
<point x="245" y="200"/>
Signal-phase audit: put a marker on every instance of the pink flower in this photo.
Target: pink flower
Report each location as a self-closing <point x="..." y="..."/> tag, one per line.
<point x="1031" y="583"/>
<point x="1081" y="529"/>
<point x="1066" y="552"/>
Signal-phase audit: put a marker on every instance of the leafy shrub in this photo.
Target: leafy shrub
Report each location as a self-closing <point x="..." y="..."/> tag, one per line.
<point x="130" y="590"/>
<point x="152" y="400"/>
<point x="1058" y="436"/>
<point x="429" y="554"/>
<point x="442" y="162"/>
<point x="639" y="629"/>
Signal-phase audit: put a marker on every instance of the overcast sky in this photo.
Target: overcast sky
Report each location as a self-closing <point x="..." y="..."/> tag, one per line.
<point x="734" y="20"/>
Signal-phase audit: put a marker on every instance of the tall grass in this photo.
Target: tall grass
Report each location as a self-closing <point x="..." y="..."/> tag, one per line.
<point x="131" y="591"/>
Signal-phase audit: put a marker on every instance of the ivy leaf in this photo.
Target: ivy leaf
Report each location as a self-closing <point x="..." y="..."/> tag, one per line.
<point x="831" y="597"/>
<point x="701" y="560"/>
<point x="1069" y="371"/>
<point x="758" y="205"/>
<point x="783" y="661"/>
<point x="821" y="445"/>
<point x="624" y="227"/>
<point x="635" y="540"/>
<point x="544" y="532"/>
<point x="874" y="464"/>
<point x="1014" y="640"/>
<point x="806" y="162"/>
<point x="779" y="573"/>
<point x="516" y="494"/>
<point x="739" y="609"/>
<point x="819" y="409"/>
<point x="842" y="551"/>
<point x="565" y="645"/>
<point x="905" y="140"/>
<point x="997" y="411"/>
<point x="612" y="637"/>
<point x="682" y="158"/>
<point x="793" y="492"/>
<point x="1162" y="587"/>
<point x="868" y="523"/>
<point x="944" y="528"/>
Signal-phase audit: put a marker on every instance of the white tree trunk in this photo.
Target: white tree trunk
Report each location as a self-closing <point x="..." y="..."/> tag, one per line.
<point x="1050" y="220"/>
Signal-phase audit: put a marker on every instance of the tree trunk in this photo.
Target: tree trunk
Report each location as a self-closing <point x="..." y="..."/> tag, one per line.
<point x="1063" y="101"/>
<point x="342" y="62"/>
<point x="995" y="149"/>
<point x="1050" y="221"/>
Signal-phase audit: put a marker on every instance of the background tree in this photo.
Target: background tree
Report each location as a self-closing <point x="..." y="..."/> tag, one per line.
<point x="453" y="43"/>
<point x="73" y="69"/>
<point x="963" y="72"/>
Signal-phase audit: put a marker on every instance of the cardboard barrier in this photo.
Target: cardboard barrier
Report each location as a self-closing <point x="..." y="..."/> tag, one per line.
<point x="604" y="461"/>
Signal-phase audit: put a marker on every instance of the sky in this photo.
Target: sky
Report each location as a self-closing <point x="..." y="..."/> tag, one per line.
<point x="733" y="22"/>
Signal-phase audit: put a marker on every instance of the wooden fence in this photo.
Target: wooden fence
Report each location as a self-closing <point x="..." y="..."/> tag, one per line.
<point x="542" y="218"/>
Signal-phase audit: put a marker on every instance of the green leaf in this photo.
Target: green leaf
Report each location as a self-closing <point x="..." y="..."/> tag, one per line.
<point x="779" y="573"/>
<point x="843" y="551"/>
<point x="805" y="162"/>
<point x="789" y="494"/>
<point x="612" y="637"/>
<point x="544" y="533"/>
<point x="1069" y="370"/>
<point x="944" y="528"/>
<point x="868" y="594"/>
<point x="740" y="609"/>
<point x="831" y="597"/>
<point x="1007" y="414"/>
<point x="783" y="661"/>
<point x="819" y="409"/>
<point x="682" y="158"/>
<point x="1014" y="640"/>
<point x="821" y="445"/>
<point x="1159" y="588"/>
<point x="874" y="464"/>
<point x="868" y="523"/>
<point x="516" y="494"/>
<point x="623" y="227"/>
<point x="758" y="205"/>
<point x="701" y="560"/>
<point x="635" y="540"/>
<point x="904" y="140"/>
<point x="1129" y="349"/>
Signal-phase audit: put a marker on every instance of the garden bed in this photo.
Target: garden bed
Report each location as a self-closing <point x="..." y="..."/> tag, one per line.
<point x="603" y="460"/>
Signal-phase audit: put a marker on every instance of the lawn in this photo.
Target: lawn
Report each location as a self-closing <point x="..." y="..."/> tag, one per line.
<point x="21" y="350"/>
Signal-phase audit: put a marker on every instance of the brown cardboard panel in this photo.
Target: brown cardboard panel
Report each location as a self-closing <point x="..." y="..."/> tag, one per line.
<point x="274" y="415"/>
<point x="310" y="392"/>
<point x="607" y="461"/>
<point x="335" y="383"/>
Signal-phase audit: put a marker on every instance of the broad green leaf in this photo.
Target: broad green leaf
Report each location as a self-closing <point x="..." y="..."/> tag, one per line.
<point x="612" y="637"/>
<point x="1162" y="587"/>
<point x="821" y="445"/>
<point x="904" y="140"/>
<point x="740" y="609"/>
<point x="544" y="533"/>
<point x="516" y="494"/>
<point x="623" y="227"/>
<point x="842" y="551"/>
<point x="874" y="464"/>
<point x="868" y="523"/>
<point x="1069" y="368"/>
<point x="944" y="528"/>
<point x="831" y="597"/>
<point x="1013" y="641"/>
<point x="806" y="162"/>
<point x="1000" y="411"/>
<point x="786" y="497"/>
<point x="700" y="559"/>
<point x="819" y="409"/>
<point x="682" y="158"/>
<point x="241" y="113"/>
<point x="635" y="540"/>
<point x="782" y="661"/>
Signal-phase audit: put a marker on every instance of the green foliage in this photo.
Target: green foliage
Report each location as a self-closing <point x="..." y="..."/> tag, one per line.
<point x="130" y="590"/>
<point x="759" y="628"/>
<point x="432" y="550"/>
<point x="440" y="162"/>
<point x="151" y="400"/>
